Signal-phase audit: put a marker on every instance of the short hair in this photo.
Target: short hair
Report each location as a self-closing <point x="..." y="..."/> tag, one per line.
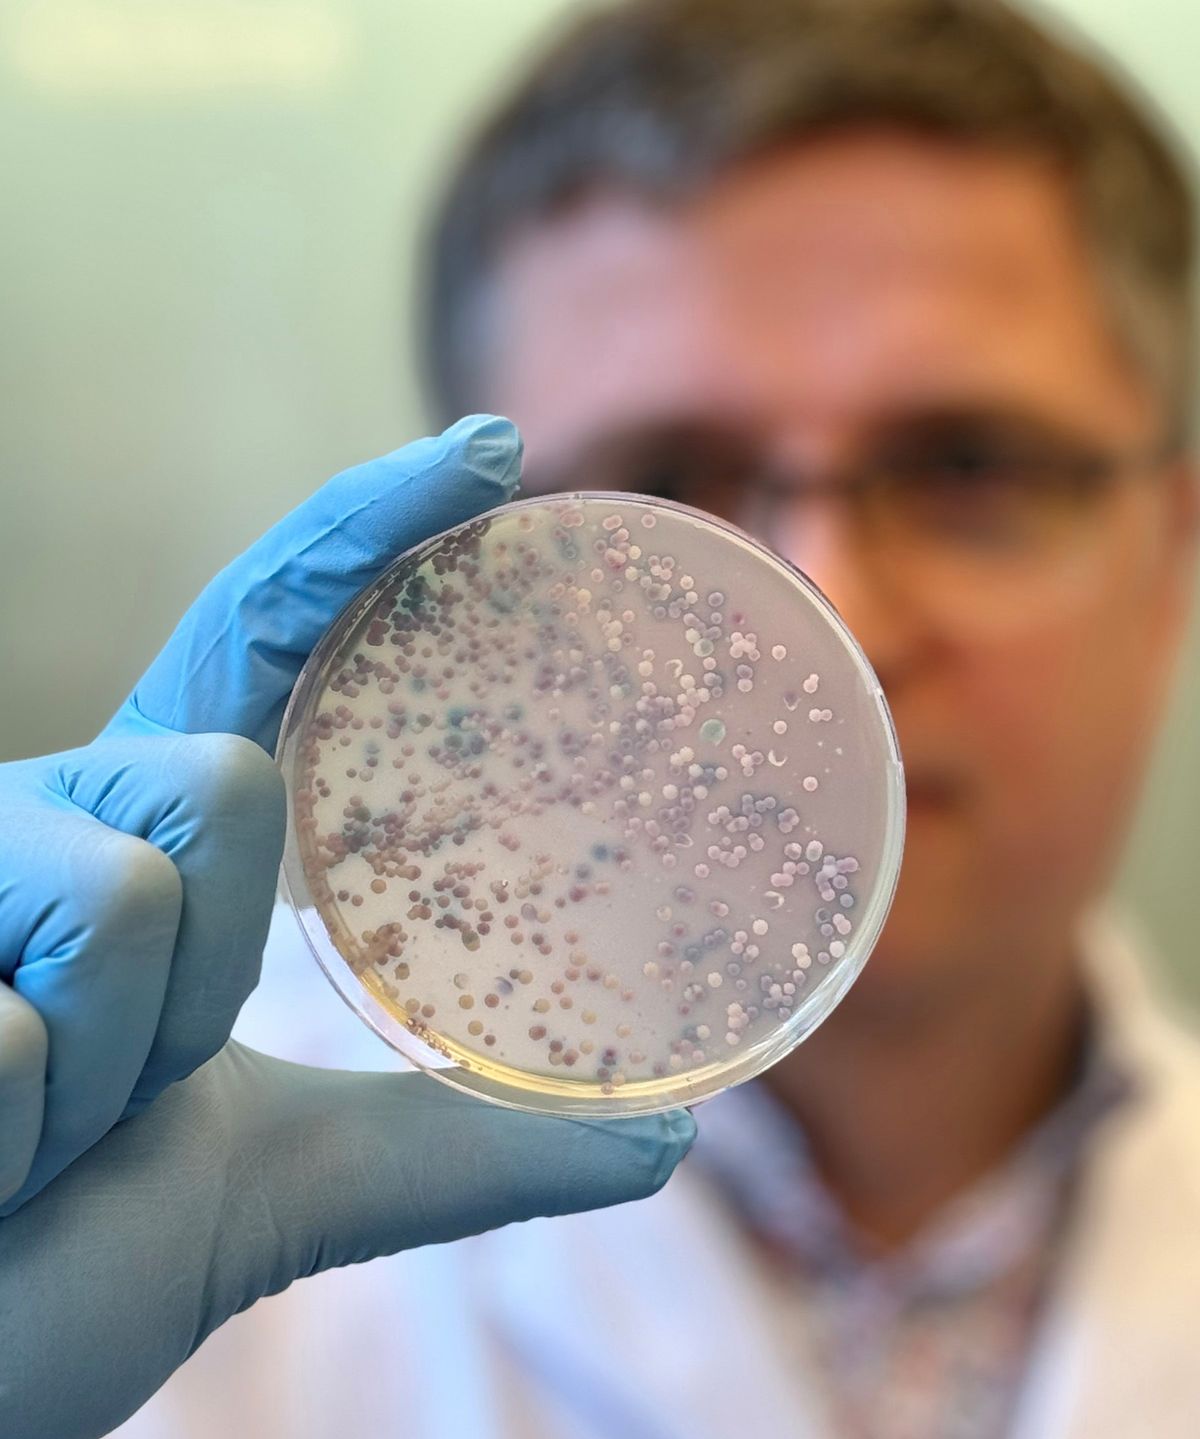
<point x="659" y="97"/>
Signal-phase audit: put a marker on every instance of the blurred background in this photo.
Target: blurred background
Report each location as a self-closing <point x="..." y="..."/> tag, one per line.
<point x="212" y="210"/>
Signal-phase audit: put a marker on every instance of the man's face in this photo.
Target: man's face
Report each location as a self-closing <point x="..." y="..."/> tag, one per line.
<point x="877" y="294"/>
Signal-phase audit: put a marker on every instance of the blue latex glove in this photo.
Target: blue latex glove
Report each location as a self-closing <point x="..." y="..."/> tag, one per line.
<point x="136" y="882"/>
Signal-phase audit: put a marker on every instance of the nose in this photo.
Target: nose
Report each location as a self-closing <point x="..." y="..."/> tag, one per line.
<point x="819" y="538"/>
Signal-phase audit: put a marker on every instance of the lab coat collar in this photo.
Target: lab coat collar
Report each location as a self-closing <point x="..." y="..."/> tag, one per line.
<point x="1117" y="1352"/>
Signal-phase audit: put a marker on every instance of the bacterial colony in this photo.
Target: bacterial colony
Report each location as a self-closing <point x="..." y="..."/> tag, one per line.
<point x="593" y="798"/>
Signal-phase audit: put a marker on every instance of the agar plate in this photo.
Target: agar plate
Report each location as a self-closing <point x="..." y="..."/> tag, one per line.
<point x="594" y="805"/>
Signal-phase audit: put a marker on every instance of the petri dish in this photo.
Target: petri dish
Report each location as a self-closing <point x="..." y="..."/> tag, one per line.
<point x="595" y="805"/>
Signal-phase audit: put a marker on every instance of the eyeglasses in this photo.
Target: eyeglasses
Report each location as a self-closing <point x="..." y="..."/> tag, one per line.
<point x="979" y="524"/>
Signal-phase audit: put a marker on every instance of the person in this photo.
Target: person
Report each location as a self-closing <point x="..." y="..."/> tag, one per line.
<point x="155" y="1177"/>
<point x="904" y="288"/>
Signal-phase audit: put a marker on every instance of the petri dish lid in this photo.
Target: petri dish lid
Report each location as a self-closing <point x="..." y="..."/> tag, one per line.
<point x="595" y="805"/>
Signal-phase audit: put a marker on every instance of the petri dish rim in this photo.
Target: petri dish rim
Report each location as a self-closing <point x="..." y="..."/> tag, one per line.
<point x="543" y="1094"/>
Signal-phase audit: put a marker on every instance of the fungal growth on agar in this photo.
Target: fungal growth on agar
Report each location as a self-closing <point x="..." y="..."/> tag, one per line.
<point x="596" y="800"/>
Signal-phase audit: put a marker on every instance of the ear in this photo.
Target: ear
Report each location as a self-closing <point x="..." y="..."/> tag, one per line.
<point x="1183" y="488"/>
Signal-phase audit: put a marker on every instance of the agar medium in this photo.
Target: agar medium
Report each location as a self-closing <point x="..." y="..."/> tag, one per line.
<point x="595" y="805"/>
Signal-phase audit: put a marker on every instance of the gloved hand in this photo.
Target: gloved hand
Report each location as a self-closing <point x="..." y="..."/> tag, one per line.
<point x="136" y="883"/>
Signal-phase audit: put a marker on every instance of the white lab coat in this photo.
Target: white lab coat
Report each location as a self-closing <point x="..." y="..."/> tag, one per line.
<point x="650" y="1322"/>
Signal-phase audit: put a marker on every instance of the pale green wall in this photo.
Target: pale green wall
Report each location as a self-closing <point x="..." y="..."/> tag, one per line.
<point x="208" y="214"/>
